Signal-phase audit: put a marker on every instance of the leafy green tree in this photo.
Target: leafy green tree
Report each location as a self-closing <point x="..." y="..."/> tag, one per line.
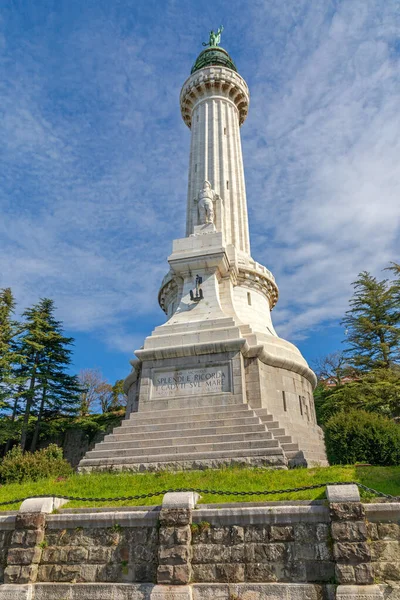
<point x="359" y="436"/>
<point x="119" y="397"/>
<point x="377" y="391"/>
<point x="372" y="324"/>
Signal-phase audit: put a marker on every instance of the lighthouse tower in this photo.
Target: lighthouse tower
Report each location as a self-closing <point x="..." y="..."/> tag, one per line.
<point x="215" y="385"/>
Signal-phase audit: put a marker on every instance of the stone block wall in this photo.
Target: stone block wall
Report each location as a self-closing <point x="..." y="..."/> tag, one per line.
<point x="113" y="554"/>
<point x="301" y="552"/>
<point x="115" y="547"/>
<point x="7" y="524"/>
<point x="330" y="550"/>
<point x="383" y="535"/>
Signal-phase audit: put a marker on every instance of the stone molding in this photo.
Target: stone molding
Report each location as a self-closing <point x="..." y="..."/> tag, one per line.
<point x="261" y="282"/>
<point x="133" y="375"/>
<point x="221" y="81"/>
<point x="224" y="346"/>
<point x="104" y="519"/>
<point x="273" y="360"/>
<point x="259" y="515"/>
<point x="377" y="512"/>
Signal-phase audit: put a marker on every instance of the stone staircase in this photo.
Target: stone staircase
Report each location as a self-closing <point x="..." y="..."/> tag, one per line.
<point x="311" y="453"/>
<point x="197" y="438"/>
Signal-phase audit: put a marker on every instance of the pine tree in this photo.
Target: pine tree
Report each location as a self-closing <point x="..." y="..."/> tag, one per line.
<point x="47" y="355"/>
<point x="372" y="324"/>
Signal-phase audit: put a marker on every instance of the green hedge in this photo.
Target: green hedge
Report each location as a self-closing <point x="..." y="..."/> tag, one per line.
<point x="361" y="437"/>
<point x="18" y="466"/>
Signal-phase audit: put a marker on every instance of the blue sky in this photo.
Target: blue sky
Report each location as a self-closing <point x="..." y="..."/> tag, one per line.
<point x="94" y="156"/>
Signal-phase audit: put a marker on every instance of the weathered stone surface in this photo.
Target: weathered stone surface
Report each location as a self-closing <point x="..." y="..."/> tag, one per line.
<point x="319" y="571"/>
<point x="261" y="591"/>
<point x="385" y="550"/>
<point x="364" y="574"/>
<point x="170" y="593"/>
<point x="24" y="556"/>
<point x="352" y="552"/>
<point x="388" y="531"/>
<point x="265" y="552"/>
<point x="15" y="592"/>
<point x="262" y="572"/>
<point x="349" y="531"/>
<point x="257" y="533"/>
<point x="347" y="511"/>
<point x="358" y="592"/>
<point x="387" y="571"/>
<point x="343" y="493"/>
<point x="345" y="573"/>
<point x="282" y="533"/>
<point x="175" y="517"/>
<point x="30" y="521"/>
<point x="12" y="574"/>
<point x="230" y="572"/>
<point x="177" y="555"/>
<point x="188" y="500"/>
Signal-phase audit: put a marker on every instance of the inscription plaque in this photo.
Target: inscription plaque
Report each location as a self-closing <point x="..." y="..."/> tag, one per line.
<point x="192" y="382"/>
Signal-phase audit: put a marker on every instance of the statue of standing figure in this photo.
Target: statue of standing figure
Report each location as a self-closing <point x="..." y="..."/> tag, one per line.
<point x="215" y="37"/>
<point x="205" y="201"/>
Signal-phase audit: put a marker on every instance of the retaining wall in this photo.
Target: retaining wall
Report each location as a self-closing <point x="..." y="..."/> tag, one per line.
<point x="295" y="551"/>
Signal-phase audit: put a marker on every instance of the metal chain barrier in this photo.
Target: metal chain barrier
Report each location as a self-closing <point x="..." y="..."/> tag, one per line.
<point x="205" y="491"/>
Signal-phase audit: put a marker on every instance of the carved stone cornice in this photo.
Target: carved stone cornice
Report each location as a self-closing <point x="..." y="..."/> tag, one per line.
<point x="168" y="290"/>
<point x="255" y="276"/>
<point x="214" y="81"/>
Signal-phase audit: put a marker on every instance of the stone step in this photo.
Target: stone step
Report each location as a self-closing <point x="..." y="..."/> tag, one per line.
<point x="161" y="417"/>
<point x="120" y="437"/>
<point x="197" y="456"/>
<point x="185" y="449"/>
<point x="272" y="425"/>
<point x="292" y="453"/>
<point x="282" y="438"/>
<point x="184" y="441"/>
<point x="192" y="411"/>
<point x="190" y="424"/>
<point x="264" y="414"/>
<point x="288" y="447"/>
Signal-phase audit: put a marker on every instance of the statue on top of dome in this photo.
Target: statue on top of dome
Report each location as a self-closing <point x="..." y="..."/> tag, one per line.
<point x="215" y="37"/>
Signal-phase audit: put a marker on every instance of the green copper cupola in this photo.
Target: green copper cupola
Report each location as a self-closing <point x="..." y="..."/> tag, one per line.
<point x="214" y="55"/>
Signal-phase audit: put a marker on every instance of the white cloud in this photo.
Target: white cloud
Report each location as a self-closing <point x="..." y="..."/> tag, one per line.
<point x="95" y="157"/>
<point x="325" y="177"/>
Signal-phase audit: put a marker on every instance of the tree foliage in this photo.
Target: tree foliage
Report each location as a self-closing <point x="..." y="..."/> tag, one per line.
<point x="377" y="391"/>
<point x="373" y="323"/>
<point x="47" y="355"/>
<point x="97" y="393"/>
<point x="359" y="436"/>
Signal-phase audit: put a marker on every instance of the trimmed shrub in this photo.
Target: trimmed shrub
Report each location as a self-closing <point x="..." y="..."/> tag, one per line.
<point x="359" y="436"/>
<point x="18" y="466"/>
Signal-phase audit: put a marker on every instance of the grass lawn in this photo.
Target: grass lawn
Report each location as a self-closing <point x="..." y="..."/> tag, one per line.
<point x="383" y="479"/>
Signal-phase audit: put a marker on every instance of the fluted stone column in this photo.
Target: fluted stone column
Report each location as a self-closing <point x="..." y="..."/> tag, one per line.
<point x="214" y="104"/>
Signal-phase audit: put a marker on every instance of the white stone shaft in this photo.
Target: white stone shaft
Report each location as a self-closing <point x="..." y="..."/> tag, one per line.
<point x="214" y="100"/>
